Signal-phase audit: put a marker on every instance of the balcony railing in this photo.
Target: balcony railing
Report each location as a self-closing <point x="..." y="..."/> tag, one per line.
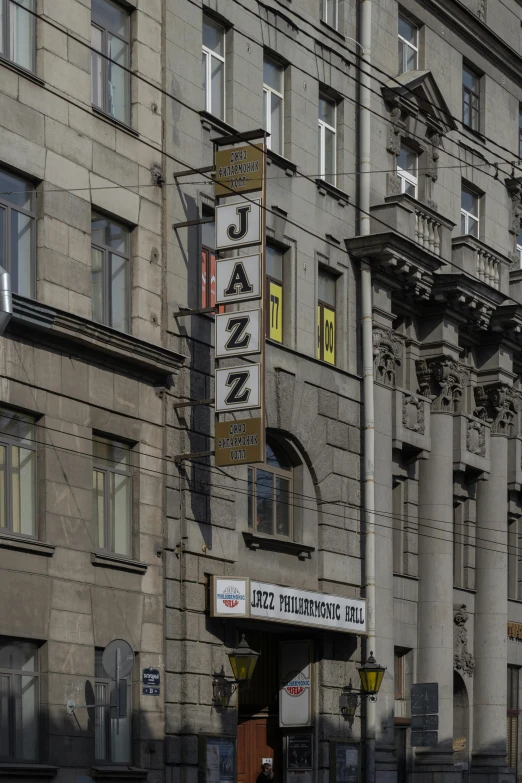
<point x="479" y="260"/>
<point x="428" y="230"/>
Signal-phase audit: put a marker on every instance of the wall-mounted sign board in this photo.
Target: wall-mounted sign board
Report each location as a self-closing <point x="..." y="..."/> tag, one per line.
<point x="238" y="334"/>
<point x="238" y="224"/>
<point x="238" y="279"/>
<point x="239" y="442"/>
<point x="239" y="169"/>
<point x="238" y="388"/>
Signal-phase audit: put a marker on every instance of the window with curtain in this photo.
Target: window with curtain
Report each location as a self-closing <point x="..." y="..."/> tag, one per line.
<point x="407" y="171"/>
<point x="17" y="232"/>
<point x="112" y="743"/>
<point x="326" y="316"/>
<point x="17" y="473"/>
<point x="273" y="103"/>
<point x="274" y="293"/>
<point x="17" y="32"/>
<point x="110" y="272"/>
<point x="208" y="260"/>
<point x="110" y="38"/>
<point x="213" y="61"/>
<point x="470" y="98"/>
<point x="408" y="40"/>
<point x="327" y="152"/>
<point x="513" y="712"/>
<point x="469" y="212"/>
<point x="270" y="498"/>
<point x="112" y="496"/>
<point x="19" y="700"/>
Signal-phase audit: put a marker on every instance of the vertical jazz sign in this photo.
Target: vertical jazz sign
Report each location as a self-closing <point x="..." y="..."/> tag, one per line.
<point x="240" y="283"/>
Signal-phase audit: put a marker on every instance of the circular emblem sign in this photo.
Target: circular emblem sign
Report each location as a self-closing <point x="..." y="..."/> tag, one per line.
<point x="230" y="596"/>
<point x="297" y="684"/>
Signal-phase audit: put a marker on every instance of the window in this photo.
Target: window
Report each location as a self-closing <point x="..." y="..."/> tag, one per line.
<point x="111" y="481"/>
<point x="514" y="559"/>
<point x="214" y="67"/>
<point x="17" y="473"/>
<point x="208" y="260"/>
<point x="398" y="526"/>
<point x="469" y="213"/>
<point x="17" y="38"/>
<point x="520" y="133"/>
<point x="112" y="743"/>
<point x="270" y="493"/>
<point x="513" y="684"/>
<point x="19" y="700"/>
<point x="470" y="99"/>
<point x="408" y="45"/>
<point x="459" y="545"/>
<point x="327" y="143"/>
<point x="326" y="317"/>
<point x="274" y="293"/>
<point x="110" y="273"/>
<point x="330" y="12"/>
<point x="273" y="103"/>
<point x="110" y="25"/>
<point x="398" y="674"/>
<point x="519" y="248"/>
<point x="17" y="232"/>
<point x="407" y="171"/>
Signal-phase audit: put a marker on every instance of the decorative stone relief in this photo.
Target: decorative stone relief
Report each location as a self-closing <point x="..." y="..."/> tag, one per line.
<point x="393" y="185"/>
<point x="386" y="353"/>
<point x="463" y="660"/>
<point x="395" y="132"/>
<point x="413" y="413"/>
<point x="496" y="403"/>
<point x="441" y="379"/>
<point x="482" y="9"/>
<point x="514" y="187"/>
<point x="432" y="167"/>
<point x="476" y="438"/>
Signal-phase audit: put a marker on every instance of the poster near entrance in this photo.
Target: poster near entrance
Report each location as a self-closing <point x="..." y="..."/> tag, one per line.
<point x="295" y="694"/>
<point x="217" y="759"/>
<point x="345" y="762"/>
<point x="299" y="751"/>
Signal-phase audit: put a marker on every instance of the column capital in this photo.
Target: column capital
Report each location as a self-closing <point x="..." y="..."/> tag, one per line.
<point x="442" y="379"/>
<point x="497" y="403"/>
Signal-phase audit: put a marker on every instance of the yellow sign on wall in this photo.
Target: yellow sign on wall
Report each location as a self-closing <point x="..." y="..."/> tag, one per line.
<point x="275" y="312"/>
<point x="325" y="334"/>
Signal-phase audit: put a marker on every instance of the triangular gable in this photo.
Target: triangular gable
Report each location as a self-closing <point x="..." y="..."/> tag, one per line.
<point x="420" y="88"/>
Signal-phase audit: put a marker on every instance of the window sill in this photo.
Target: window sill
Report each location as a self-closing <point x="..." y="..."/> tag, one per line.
<point x="472" y="134"/>
<point x="283" y="163"/>
<point x="22" y="544"/>
<point x="256" y="541"/>
<point x="211" y="122"/>
<point x="332" y="29"/>
<point x="118" y="772"/>
<point x="108" y="560"/>
<point x="21" y="71"/>
<point x="25" y="770"/>
<point x="325" y="187"/>
<point x="113" y="121"/>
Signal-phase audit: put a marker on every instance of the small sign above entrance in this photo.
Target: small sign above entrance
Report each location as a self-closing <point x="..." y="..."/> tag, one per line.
<point x="238" y="442"/>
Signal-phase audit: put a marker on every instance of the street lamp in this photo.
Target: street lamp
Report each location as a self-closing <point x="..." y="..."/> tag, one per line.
<point x="243" y="661"/>
<point x="371" y="675"/>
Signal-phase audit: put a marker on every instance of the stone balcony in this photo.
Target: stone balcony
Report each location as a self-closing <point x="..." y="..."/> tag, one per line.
<point x="416" y="221"/>
<point x="475" y="258"/>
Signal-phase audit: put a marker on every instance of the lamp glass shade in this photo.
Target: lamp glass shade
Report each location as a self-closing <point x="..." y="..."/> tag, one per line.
<point x="371" y="675"/>
<point x="243" y="661"/>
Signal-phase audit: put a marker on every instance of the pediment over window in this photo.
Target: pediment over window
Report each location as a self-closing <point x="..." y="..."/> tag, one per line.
<point x="417" y="92"/>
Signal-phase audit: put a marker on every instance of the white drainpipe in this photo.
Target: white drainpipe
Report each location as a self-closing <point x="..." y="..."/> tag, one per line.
<point x="367" y="348"/>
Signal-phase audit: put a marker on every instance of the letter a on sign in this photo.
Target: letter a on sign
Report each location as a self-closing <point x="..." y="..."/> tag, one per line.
<point x="238" y="279"/>
<point x="238" y="388"/>
<point x="238" y="224"/>
<point x="238" y="333"/>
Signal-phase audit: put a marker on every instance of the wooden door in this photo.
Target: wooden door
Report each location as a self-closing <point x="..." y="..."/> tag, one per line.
<point x="258" y="738"/>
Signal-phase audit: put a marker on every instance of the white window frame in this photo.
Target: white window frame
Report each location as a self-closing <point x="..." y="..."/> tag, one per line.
<point x="268" y="114"/>
<point x="405" y="176"/>
<point x="519" y="248"/>
<point x="469" y="217"/>
<point x="335" y="23"/>
<point x="409" y="45"/>
<point x="322" y="146"/>
<point x="208" y="67"/>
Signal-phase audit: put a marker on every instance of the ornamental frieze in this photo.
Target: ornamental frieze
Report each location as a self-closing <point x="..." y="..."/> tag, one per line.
<point x="476" y="438"/>
<point x="413" y="413"/>
<point x="463" y="660"/>
<point x="497" y="404"/>
<point x="386" y="355"/>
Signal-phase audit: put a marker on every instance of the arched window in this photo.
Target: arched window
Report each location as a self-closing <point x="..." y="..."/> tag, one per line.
<point x="270" y="493"/>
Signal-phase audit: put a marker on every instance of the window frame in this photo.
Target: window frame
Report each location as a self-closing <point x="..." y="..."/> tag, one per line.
<point x="15" y="698"/>
<point x="268" y="310"/>
<point x="513" y="714"/>
<point x="468" y="93"/>
<point x="399" y="675"/>
<point x="105" y="706"/>
<point x="321" y="306"/>
<point x="8" y="441"/>
<point x="9" y="207"/>
<point x="520" y="132"/>
<point x="106" y="251"/>
<point x="469" y="218"/>
<point x="108" y="524"/>
<point x="322" y="128"/>
<point x="209" y="54"/>
<point x="105" y="59"/>
<point x="324" y="16"/>
<point x="407" y="45"/>
<point x="285" y="473"/>
<point x="518" y="242"/>
<point x="267" y="90"/>
<point x="5" y="37"/>
<point x="405" y="176"/>
<point x="208" y="262"/>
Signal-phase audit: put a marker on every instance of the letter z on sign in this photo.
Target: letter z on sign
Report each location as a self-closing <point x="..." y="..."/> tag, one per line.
<point x="238" y="333"/>
<point x="238" y="224"/>
<point x="238" y="388"/>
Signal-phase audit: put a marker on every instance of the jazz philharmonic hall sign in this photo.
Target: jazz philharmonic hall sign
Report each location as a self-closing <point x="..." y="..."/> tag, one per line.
<point x="240" y="282"/>
<point x="243" y="597"/>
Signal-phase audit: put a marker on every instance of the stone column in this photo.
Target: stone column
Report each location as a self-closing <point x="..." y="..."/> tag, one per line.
<point x="491" y="605"/>
<point x="440" y="379"/>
